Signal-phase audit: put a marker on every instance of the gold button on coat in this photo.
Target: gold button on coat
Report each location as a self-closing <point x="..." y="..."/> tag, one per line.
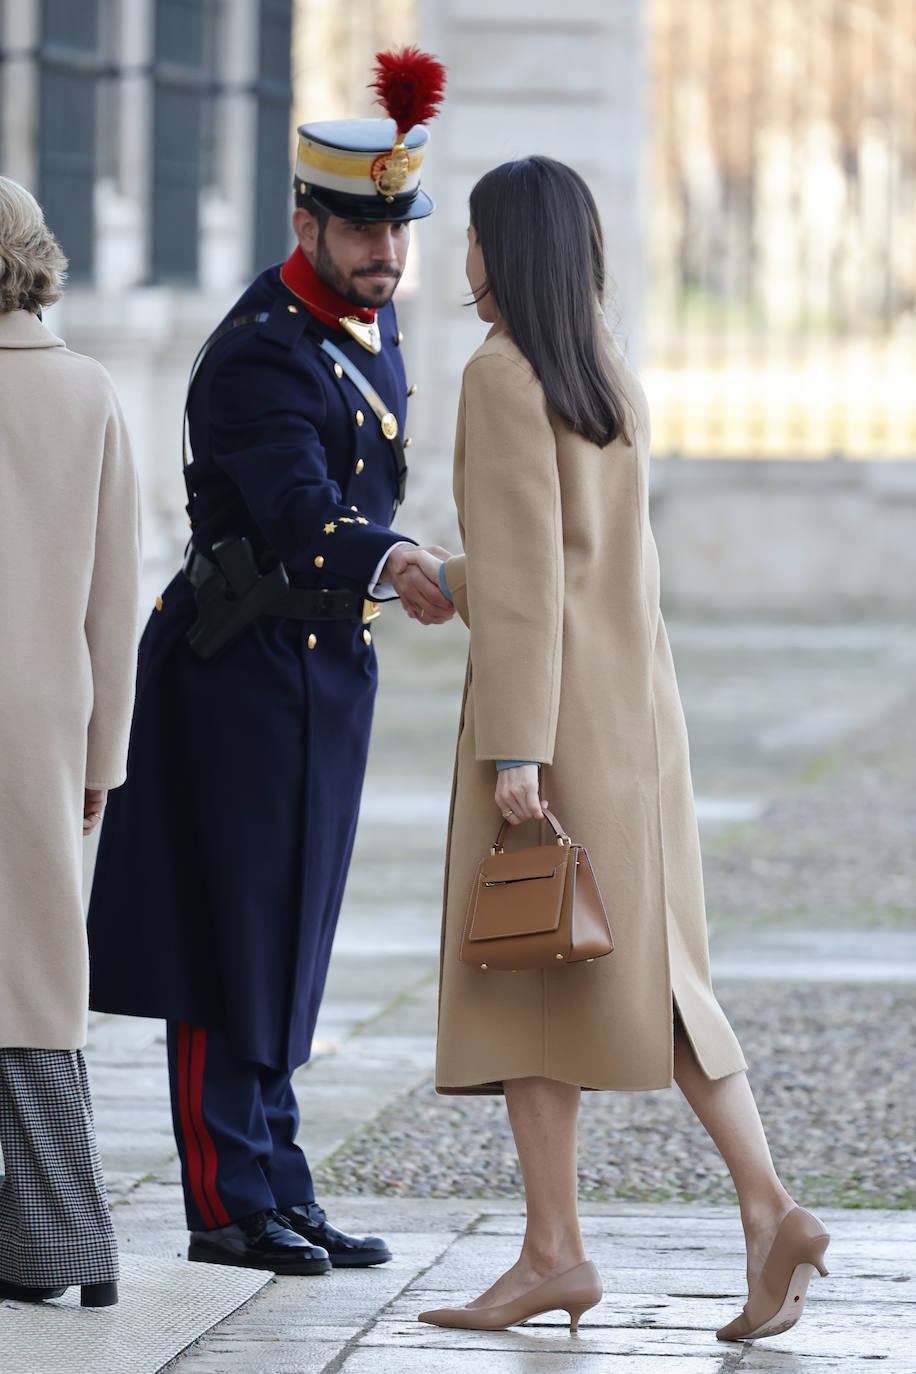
<point x="319" y="561"/>
<point x="359" y="466"/>
<point x="158" y="603"/>
<point x="293" y="309"/>
<point x="360" y="417"/>
<point x="407" y="443"/>
<point x="338" y="370"/>
<point x="312" y="641"/>
<point x="400" y="337"/>
<point x="367" y="636"/>
<point x="411" y="390"/>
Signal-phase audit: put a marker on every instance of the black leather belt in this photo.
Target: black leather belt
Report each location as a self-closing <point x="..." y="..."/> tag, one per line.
<point x="294" y="603"/>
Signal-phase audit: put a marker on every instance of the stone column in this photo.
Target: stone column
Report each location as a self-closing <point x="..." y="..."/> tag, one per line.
<point x="122" y="198"/>
<point x="565" y="80"/>
<point x="19" y="31"/>
<point x="226" y="210"/>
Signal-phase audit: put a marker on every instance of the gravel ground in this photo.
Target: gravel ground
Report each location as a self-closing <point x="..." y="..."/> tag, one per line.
<point x="831" y="1064"/>
<point x="832" y="1068"/>
<point x="840" y="848"/>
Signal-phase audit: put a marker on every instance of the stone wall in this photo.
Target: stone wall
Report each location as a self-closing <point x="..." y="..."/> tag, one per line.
<point x="822" y="539"/>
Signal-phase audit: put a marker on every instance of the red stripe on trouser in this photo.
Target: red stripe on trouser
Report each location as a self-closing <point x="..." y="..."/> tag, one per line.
<point x="193" y="1162"/>
<point x="208" y="1149"/>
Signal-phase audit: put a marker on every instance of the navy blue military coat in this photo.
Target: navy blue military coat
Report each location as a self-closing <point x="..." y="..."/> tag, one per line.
<point x="222" y="859"/>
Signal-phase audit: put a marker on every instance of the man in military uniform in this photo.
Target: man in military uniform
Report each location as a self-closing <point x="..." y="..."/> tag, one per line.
<point x="222" y="860"/>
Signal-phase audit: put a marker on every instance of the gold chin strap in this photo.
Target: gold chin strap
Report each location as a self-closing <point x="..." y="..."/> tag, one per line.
<point x="366" y="334"/>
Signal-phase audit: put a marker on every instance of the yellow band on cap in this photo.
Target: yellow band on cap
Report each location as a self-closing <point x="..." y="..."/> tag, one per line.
<point x="358" y="166"/>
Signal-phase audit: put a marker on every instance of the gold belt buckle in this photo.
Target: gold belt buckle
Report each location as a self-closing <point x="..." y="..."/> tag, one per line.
<point x="371" y="611"/>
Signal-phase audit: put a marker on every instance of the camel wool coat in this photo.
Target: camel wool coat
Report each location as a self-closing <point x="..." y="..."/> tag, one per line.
<point x="569" y="665"/>
<point x="69" y="569"/>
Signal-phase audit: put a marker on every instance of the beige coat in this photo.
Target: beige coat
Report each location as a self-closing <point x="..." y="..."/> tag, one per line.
<point x="69" y="564"/>
<point x="570" y="666"/>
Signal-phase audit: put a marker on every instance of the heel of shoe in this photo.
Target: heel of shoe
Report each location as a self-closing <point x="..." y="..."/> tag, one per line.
<point x="576" y="1310"/>
<point x="98" y="1294"/>
<point x="817" y="1256"/>
<point x="584" y="1293"/>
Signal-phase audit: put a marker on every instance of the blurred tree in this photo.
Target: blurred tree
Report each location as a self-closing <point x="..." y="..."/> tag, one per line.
<point x="783" y="199"/>
<point x="334" y="46"/>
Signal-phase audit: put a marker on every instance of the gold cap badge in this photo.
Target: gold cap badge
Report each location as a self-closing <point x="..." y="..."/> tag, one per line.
<point x="390" y="171"/>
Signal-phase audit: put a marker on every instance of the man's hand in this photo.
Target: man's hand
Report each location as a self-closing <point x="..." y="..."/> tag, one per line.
<point x="93" y="805"/>
<point x="414" y="574"/>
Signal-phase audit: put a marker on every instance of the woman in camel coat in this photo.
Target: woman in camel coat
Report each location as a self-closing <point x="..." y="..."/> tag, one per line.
<point x="69" y="564"/>
<point x="570" y="673"/>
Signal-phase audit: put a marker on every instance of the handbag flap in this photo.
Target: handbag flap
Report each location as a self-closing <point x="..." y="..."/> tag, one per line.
<point x="519" y="893"/>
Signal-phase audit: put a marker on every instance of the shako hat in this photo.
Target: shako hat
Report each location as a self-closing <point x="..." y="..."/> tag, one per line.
<point x="369" y="169"/>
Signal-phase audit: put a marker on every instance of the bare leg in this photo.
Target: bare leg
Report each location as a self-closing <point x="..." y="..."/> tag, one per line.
<point x="543" y="1114"/>
<point x="726" y="1108"/>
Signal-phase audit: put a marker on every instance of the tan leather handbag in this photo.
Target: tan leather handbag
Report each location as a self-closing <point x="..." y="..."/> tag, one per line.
<point x="535" y="908"/>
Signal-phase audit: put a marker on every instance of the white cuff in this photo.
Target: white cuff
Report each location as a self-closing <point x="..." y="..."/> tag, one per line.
<point x="383" y="591"/>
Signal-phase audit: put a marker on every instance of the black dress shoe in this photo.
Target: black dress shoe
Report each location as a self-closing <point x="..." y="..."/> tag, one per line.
<point x="345" y="1252"/>
<point x="20" y="1293"/>
<point x="262" y="1240"/>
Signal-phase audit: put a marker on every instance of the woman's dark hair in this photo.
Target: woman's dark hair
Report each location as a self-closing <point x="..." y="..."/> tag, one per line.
<point x="543" y="251"/>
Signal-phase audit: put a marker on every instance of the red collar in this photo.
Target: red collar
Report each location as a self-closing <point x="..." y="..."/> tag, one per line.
<point x="300" y="276"/>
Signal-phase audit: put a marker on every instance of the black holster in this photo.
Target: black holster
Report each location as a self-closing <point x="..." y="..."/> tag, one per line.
<point x="230" y="593"/>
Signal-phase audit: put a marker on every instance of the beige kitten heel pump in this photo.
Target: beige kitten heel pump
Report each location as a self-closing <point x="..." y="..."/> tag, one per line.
<point x="574" y="1291"/>
<point x="778" y="1299"/>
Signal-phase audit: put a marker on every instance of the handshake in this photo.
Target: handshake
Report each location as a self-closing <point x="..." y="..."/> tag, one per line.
<point x="414" y="574"/>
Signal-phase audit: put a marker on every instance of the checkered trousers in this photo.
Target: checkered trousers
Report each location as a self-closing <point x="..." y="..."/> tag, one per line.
<point x="55" y="1226"/>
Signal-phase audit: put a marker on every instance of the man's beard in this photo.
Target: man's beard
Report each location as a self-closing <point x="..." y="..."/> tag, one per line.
<point x="328" y="272"/>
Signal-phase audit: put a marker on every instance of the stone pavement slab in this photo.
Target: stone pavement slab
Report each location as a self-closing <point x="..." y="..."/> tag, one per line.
<point x="806" y="956"/>
<point x="672" y="1275"/>
<point x="517" y="1361"/>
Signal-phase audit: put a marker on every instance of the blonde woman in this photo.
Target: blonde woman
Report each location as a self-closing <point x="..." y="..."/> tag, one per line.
<point x="571" y="696"/>
<point x="69" y="566"/>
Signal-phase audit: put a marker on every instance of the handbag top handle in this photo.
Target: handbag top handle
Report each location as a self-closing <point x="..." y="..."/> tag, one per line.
<point x="562" y="838"/>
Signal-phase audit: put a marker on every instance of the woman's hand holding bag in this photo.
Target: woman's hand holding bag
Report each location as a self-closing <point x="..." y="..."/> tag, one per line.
<point x="517" y="794"/>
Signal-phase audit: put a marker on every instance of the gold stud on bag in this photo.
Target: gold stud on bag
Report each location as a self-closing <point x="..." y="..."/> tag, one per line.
<point x="535" y="908"/>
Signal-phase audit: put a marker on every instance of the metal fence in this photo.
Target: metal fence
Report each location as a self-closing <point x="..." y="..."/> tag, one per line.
<point x="782" y="306"/>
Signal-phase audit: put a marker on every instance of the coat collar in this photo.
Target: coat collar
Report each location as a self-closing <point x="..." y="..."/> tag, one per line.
<point x="300" y="277"/>
<point x="19" y="329"/>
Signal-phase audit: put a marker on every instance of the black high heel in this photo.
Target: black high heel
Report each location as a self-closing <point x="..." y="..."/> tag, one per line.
<point x="98" y="1294"/>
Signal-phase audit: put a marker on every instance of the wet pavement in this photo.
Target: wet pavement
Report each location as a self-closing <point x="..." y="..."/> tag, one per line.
<point x="671" y="1277"/>
<point x="772" y="709"/>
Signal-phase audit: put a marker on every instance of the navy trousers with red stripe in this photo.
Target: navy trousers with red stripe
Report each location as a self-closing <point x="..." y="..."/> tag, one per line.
<point x="235" y="1126"/>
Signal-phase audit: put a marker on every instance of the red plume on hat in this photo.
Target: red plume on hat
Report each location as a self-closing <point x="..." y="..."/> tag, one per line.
<point x="410" y="85"/>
